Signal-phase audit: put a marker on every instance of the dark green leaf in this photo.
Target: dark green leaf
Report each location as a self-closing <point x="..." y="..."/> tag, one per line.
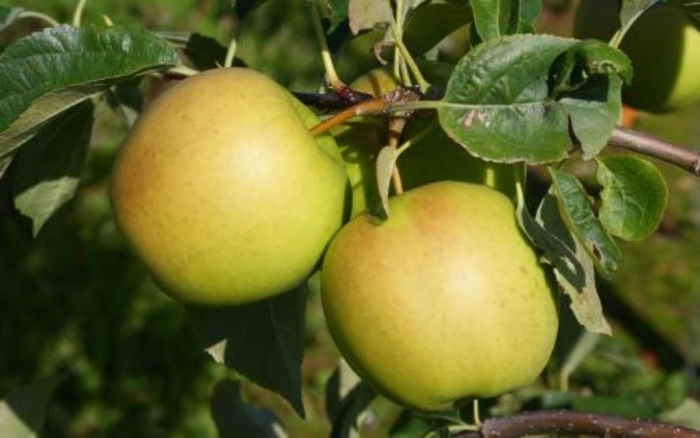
<point x="337" y="13"/>
<point x="500" y="104"/>
<point x="263" y="340"/>
<point x="49" y="166"/>
<point x="235" y="418"/>
<point x="634" y="196"/>
<point x="22" y="412"/>
<point x="691" y="7"/>
<point x="572" y="265"/>
<point x="50" y="71"/>
<point x="431" y="22"/>
<point x="8" y="15"/>
<point x="244" y="7"/>
<point x="494" y="18"/>
<point x="577" y="210"/>
<point x="346" y="405"/>
<point x="496" y="102"/>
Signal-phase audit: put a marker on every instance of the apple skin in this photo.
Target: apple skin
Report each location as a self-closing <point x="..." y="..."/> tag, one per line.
<point x="664" y="47"/>
<point x="434" y="158"/>
<point x="222" y="192"/>
<point x="444" y="301"/>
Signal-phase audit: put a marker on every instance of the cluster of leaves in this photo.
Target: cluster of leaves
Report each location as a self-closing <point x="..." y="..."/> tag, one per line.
<point x="515" y="97"/>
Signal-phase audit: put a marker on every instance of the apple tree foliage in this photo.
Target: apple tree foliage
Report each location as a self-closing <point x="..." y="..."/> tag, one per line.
<point x="516" y="97"/>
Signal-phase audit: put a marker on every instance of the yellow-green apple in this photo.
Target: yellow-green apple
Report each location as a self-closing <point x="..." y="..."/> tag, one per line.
<point x="223" y="193"/>
<point x="444" y="301"/>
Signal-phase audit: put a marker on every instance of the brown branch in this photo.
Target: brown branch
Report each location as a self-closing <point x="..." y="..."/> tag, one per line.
<point x="629" y="139"/>
<point x="646" y="144"/>
<point x="576" y="423"/>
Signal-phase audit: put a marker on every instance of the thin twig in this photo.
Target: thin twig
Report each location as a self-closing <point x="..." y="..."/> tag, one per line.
<point x="576" y="423"/>
<point x="651" y="146"/>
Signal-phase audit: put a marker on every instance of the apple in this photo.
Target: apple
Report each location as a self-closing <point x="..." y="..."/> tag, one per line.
<point x="443" y="302"/>
<point x="434" y="158"/>
<point x="663" y="45"/>
<point x="223" y="193"/>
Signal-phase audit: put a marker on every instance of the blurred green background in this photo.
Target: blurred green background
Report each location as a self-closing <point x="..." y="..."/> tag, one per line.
<point x="74" y="301"/>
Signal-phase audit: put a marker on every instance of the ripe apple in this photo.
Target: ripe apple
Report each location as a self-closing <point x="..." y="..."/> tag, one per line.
<point x="434" y="158"/>
<point x="223" y="193"/>
<point x="664" y="47"/>
<point x="442" y="302"/>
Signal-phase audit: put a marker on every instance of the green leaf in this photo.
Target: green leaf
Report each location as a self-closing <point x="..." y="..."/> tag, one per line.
<point x="264" y="341"/>
<point x="577" y="210"/>
<point x="337" y="13"/>
<point x="634" y="196"/>
<point x="632" y="9"/>
<point x="8" y="15"/>
<point x="235" y="418"/>
<point x="431" y="22"/>
<point x="500" y="105"/>
<point x="347" y="404"/>
<point x="494" y="18"/>
<point x="23" y="410"/>
<point x="572" y="265"/>
<point x="50" y="71"/>
<point x="386" y="161"/>
<point x="686" y="414"/>
<point x="49" y="166"/>
<point x="691" y="7"/>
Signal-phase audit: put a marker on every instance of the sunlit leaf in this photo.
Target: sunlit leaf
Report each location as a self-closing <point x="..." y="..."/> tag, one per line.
<point x="23" y="410"/>
<point x="386" y="161"/>
<point x="50" y="71"/>
<point x="49" y="166"/>
<point x="571" y="263"/>
<point x="634" y="196"/>
<point x="500" y="104"/>
<point x="234" y="418"/>
<point x="494" y="18"/>
<point x="577" y="210"/>
<point x="366" y="14"/>
<point x="264" y="340"/>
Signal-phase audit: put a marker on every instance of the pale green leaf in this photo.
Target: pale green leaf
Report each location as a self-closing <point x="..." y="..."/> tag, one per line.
<point x="634" y="196"/>
<point x="23" y="410"/>
<point x="366" y="14"/>
<point x="386" y="162"/>
<point x="572" y="265"/>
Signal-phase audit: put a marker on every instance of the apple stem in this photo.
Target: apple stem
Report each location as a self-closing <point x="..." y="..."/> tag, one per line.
<point x="78" y="13"/>
<point x="231" y="52"/>
<point x="332" y="77"/>
<point x="46" y="19"/>
<point x="410" y="62"/>
<point x="375" y="105"/>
